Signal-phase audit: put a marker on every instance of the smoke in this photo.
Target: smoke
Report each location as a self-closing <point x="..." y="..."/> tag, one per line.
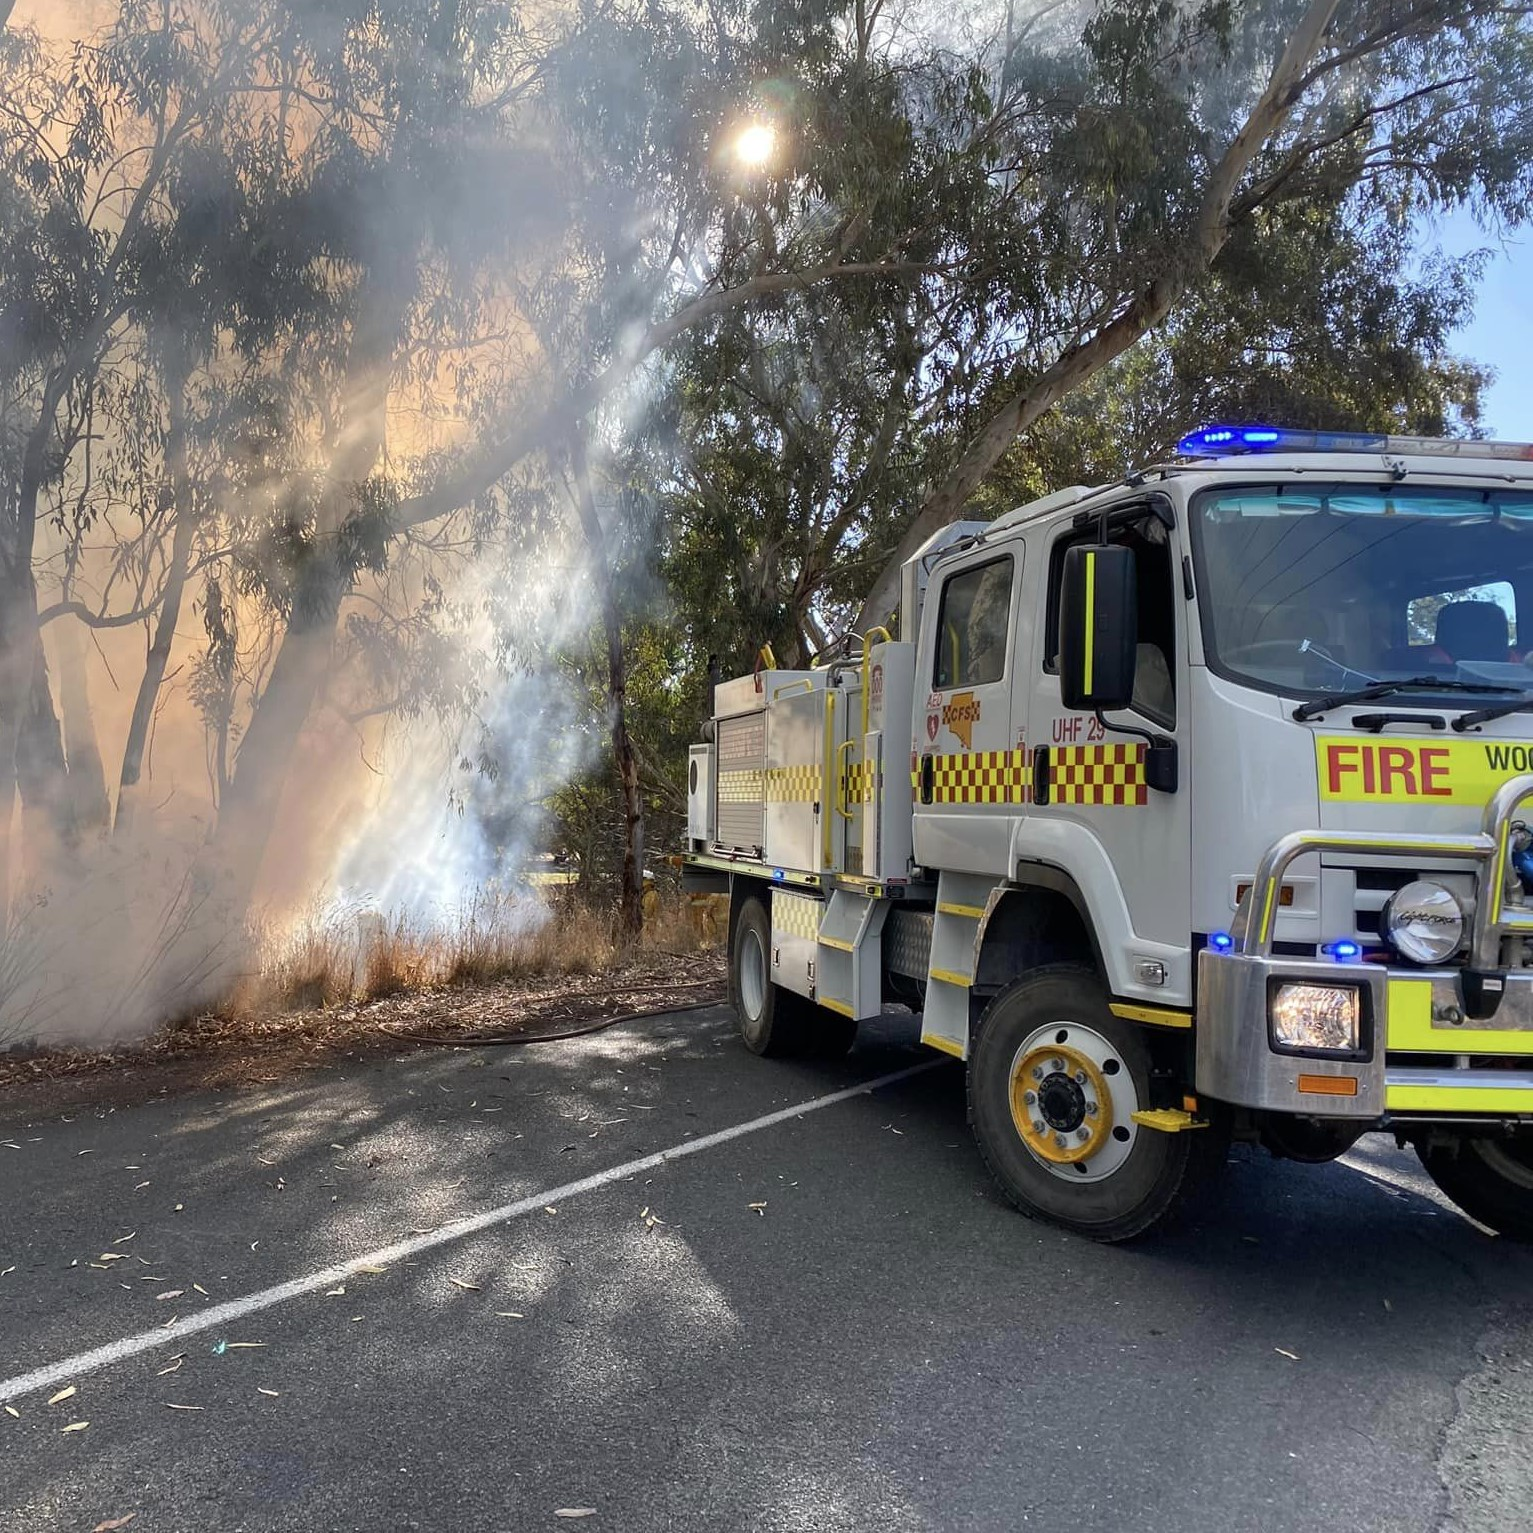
<point x="457" y="808"/>
<point x="389" y="710"/>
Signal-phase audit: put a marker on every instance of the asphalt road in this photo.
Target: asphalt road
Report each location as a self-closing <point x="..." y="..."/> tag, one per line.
<point x="834" y="1324"/>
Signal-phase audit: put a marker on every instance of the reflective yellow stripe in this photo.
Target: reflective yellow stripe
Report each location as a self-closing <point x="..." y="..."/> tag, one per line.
<point x="1272" y="887"/>
<point x="976" y="911"/>
<point x="827" y="820"/>
<point x="837" y="943"/>
<point x="1500" y="882"/>
<point x="836" y="1006"/>
<point x="1472" y="1099"/>
<point x="943" y="1045"/>
<point x="1159" y="1016"/>
<point x="1412" y="1030"/>
<point x="1091" y="616"/>
<point x="949" y="978"/>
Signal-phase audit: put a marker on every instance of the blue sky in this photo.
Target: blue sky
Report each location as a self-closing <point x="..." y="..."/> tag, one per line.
<point x="1501" y="332"/>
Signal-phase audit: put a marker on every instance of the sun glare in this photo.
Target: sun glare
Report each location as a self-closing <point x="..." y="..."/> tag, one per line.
<point x="754" y="145"/>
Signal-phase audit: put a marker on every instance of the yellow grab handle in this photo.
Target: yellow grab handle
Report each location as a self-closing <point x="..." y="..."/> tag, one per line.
<point x="841" y="750"/>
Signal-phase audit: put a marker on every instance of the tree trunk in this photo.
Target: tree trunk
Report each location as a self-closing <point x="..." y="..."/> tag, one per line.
<point x="88" y="803"/>
<point x="128" y="790"/>
<point x="11" y="697"/>
<point x="249" y="809"/>
<point x="42" y="773"/>
<point x="7" y="815"/>
<point x="248" y="812"/>
<point x="945" y="504"/>
<point x="631" y="908"/>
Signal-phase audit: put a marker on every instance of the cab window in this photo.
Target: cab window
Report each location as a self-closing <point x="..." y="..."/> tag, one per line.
<point x="973" y="626"/>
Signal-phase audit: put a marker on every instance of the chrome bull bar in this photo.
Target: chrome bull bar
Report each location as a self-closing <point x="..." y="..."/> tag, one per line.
<point x="1415" y="1011"/>
<point x="1499" y="910"/>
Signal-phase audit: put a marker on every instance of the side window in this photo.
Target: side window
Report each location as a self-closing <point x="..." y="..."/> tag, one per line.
<point x="1155" y="594"/>
<point x="973" y="626"/>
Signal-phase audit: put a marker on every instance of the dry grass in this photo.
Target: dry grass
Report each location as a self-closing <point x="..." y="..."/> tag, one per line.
<point x="338" y="988"/>
<point x="335" y="958"/>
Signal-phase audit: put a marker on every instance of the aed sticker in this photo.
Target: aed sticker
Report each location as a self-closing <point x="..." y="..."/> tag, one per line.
<point x="960" y="715"/>
<point x="933" y="724"/>
<point x="1354" y="771"/>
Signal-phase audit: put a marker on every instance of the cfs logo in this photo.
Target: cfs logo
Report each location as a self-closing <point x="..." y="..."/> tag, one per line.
<point x="961" y="714"/>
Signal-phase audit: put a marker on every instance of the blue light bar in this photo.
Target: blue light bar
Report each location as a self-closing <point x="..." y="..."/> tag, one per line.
<point x="1344" y="950"/>
<point x="1231" y="441"/>
<point x="1221" y="942"/>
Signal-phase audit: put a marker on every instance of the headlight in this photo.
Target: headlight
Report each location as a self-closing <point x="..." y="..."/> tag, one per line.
<point x="1317" y="1017"/>
<point x="1423" y="922"/>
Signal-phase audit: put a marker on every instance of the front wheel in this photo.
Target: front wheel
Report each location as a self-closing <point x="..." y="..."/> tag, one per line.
<point x="1054" y="1081"/>
<point x="1490" y="1179"/>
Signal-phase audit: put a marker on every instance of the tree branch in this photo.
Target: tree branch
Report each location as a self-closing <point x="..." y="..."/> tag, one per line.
<point x="555" y="420"/>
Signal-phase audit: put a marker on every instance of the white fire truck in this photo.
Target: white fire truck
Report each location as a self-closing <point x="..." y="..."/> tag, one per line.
<point x="1181" y="808"/>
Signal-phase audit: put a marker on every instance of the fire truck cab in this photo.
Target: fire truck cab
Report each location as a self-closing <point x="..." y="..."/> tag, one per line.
<point x="1181" y="809"/>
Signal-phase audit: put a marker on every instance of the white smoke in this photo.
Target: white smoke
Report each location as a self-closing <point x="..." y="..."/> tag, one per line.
<point x="457" y="812"/>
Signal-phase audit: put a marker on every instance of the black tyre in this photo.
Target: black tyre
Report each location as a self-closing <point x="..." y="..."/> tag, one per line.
<point x="773" y="1021"/>
<point x="1054" y="1078"/>
<point x="1490" y="1179"/>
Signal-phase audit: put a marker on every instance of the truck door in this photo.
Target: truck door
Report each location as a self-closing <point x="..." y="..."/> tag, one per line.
<point x="967" y="774"/>
<point x="1127" y="846"/>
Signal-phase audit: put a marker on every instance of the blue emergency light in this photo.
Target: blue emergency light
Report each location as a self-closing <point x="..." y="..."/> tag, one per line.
<point x="1230" y="441"/>
<point x="1221" y="441"/>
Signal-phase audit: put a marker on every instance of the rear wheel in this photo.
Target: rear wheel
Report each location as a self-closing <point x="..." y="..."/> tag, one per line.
<point x="1054" y="1081"/>
<point x="1490" y="1179"/>
<point x="773" y="1021"/>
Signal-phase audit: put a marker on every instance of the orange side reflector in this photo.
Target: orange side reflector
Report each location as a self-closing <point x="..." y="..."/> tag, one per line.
<point x="1329" y="1085"/>
<point x="1189" y="1104"/>
<point x="1285" y="894"/>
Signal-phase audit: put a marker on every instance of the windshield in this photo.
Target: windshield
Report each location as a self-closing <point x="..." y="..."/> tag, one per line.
<point x="1308" y="589"/>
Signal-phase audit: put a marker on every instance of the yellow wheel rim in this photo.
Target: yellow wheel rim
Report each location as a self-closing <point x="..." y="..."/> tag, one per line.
<point x="1060" y="1103"/>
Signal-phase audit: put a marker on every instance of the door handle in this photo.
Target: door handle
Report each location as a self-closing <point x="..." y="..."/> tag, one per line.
<point x="928" y="774"/>
<point x="1040" y="774"/>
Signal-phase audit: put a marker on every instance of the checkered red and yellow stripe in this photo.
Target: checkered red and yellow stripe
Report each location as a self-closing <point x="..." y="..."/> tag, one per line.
<point x="1097" y="774"/>
<point x="978" y="777"/>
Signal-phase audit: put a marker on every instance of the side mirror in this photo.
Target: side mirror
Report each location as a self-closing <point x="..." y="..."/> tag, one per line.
<point x="1098" y="628"/>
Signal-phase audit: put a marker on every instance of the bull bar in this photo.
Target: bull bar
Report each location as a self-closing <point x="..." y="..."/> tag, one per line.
<point x="1482" y="1009"/>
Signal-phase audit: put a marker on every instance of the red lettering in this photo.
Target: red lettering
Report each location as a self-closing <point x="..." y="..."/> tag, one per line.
<point x="1434" y="765"/>
<point x="1370" y="776"/>
<point x="1335" y="766"/>
<point x="1397" y="761"/>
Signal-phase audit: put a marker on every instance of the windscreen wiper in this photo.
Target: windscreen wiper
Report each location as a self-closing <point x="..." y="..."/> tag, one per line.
<point x="1379" y="689"/>
<point x="1495" y="711"/>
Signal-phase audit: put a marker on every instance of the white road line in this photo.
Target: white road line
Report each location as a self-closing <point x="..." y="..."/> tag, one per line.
<point x="265" y="1298"/>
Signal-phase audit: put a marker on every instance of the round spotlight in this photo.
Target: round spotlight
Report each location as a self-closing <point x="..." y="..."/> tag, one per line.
<point x="754" y="145"/>
<point x="1423" y="922"/>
